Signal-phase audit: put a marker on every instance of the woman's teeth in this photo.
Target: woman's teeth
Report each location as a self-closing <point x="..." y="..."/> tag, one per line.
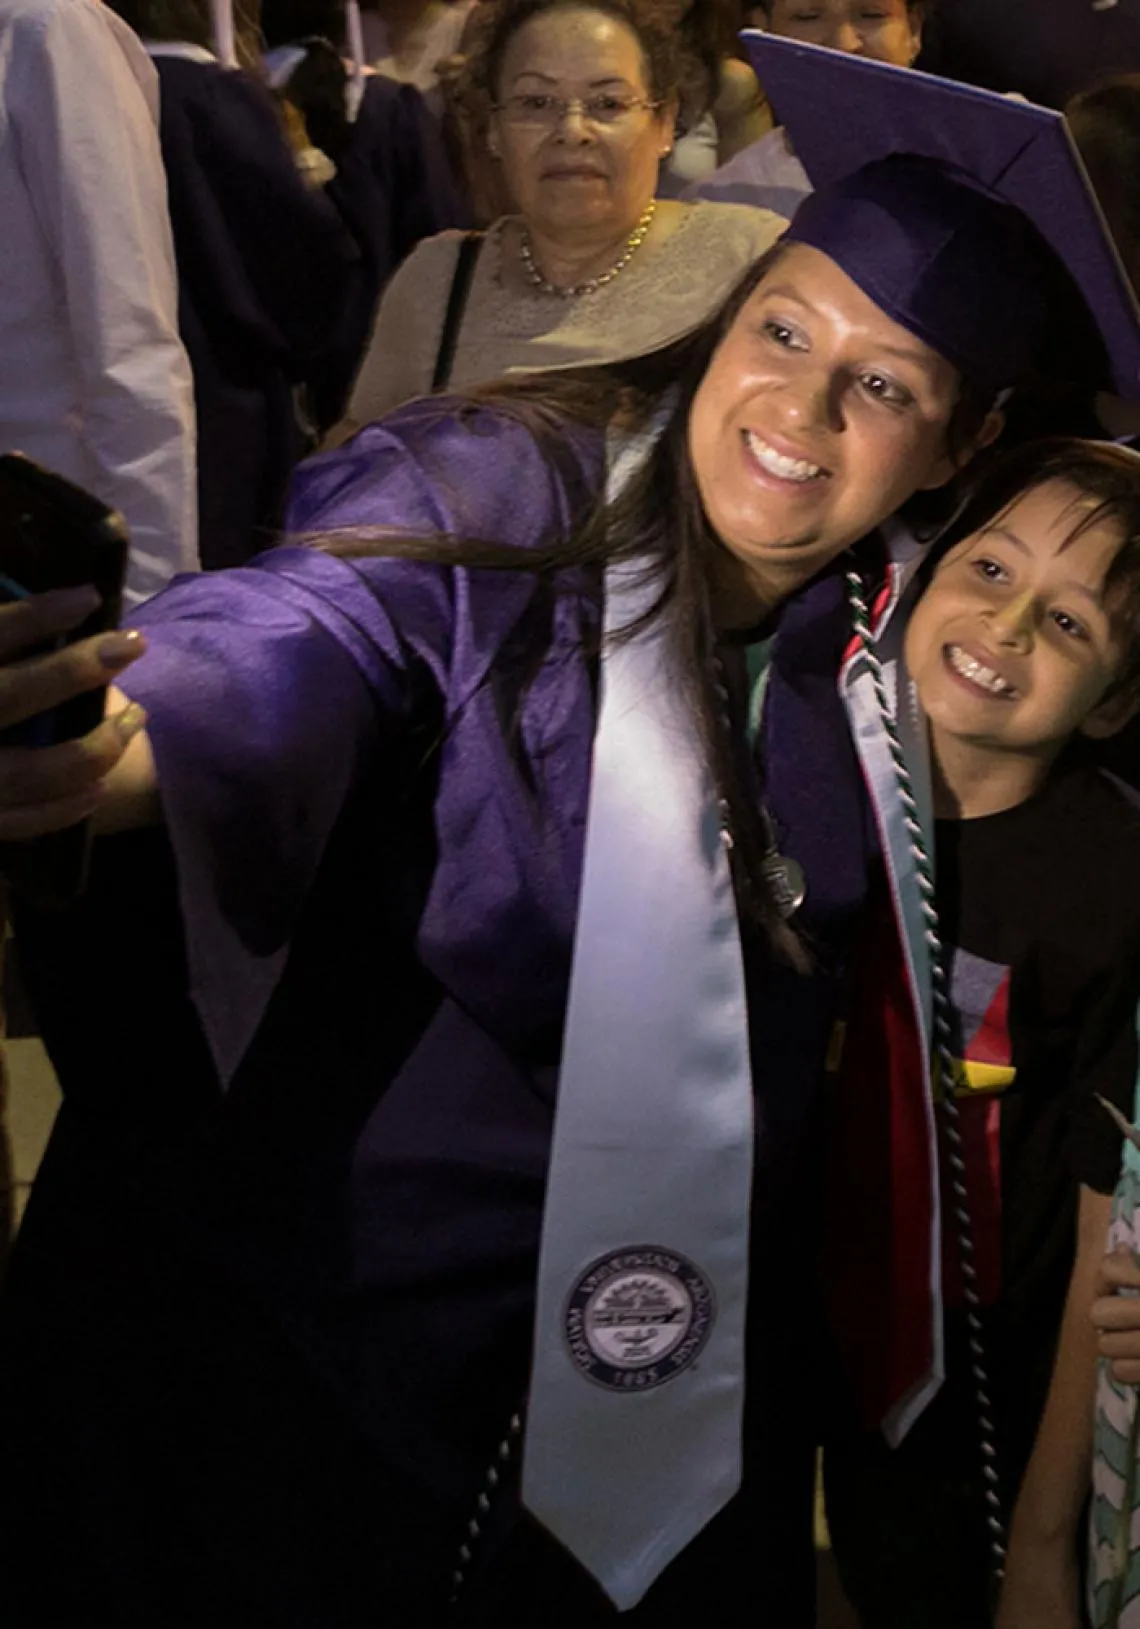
<point x="978" y="673"/>
<point x="787" y="469"/>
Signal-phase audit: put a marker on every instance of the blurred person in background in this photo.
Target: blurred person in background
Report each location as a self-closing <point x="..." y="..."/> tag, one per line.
<point x="7" y="1179"/>
<point x="1046" y="50"/>
<point x="768" y="173"/>
<point x="579" y="102"/>
<point x="1105" y="121"/>
<point x="885" y="30"/>
<point x="408" y="39"/>
<point x="392" y="179"/>
<point x="94" y="381"/>
<point x="723" y="109"/>
<point x="265" y="266"/>
<point x="1105" y="124"/>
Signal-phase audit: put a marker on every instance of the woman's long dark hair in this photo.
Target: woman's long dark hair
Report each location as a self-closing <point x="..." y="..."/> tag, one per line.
<point x="659" y="518"/>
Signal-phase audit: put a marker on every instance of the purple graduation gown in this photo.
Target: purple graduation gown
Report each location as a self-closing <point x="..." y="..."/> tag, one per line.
<point x="266" y="1343"/>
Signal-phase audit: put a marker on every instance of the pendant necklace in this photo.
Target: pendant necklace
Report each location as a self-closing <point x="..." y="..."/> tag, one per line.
<point x="592" y="284"/>
<point x="784" y="875"/>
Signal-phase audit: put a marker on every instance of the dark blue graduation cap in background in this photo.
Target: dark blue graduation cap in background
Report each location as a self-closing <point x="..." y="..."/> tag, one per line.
<point x="914" y="176"/>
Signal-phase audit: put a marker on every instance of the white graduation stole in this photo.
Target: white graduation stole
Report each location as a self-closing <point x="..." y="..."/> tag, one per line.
<point x="633" y="1433"/>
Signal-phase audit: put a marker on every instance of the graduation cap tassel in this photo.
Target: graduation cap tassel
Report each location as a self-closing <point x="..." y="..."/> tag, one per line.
<point x="222" y="27"/>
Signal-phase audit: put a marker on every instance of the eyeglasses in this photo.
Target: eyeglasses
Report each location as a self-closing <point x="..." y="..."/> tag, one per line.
<point x="536" y="111"/>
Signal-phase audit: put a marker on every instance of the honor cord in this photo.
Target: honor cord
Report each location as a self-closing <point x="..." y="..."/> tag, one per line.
<point x="963" y="1224"/>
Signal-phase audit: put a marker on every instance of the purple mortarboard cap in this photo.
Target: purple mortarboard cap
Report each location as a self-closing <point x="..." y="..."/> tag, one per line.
<point x="914" y="177"/>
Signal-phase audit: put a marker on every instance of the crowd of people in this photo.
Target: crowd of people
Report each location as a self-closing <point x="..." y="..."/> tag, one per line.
<point x="611" y="958"/>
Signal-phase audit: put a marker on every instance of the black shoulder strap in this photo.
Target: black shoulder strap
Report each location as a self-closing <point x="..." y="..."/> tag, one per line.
<point x="456" y="303"/>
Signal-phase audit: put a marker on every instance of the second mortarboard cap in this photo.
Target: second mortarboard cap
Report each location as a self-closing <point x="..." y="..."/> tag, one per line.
<point x="915" y="180"/>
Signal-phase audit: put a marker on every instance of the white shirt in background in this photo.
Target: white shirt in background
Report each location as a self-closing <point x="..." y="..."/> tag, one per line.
<point x="692" y="159"/>
<point x="767" y="175"/>
<point x="94" y="381"/>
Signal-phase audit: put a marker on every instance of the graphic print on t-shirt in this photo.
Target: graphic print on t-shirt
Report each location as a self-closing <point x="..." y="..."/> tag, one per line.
<point x="982" y="1047"/>
<point x="983" y="1068"/>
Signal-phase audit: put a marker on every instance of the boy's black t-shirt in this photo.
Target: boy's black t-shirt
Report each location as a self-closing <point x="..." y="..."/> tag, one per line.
<point x="1040" y="913"/>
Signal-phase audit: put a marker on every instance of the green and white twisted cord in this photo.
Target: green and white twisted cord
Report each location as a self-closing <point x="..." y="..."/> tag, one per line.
<point x="960" y="1198"/>
<point x="474" y="1533"/>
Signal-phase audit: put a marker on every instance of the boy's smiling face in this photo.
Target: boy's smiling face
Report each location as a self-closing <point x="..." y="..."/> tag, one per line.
<point x="1012" y="646"/>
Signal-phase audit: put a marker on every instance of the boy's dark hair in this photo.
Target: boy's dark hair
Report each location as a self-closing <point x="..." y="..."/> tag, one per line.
<point x="1101" y="470"/>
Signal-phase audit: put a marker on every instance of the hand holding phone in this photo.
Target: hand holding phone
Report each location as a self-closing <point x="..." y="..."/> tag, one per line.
<point x="62" y="561"/>
<point x="40" y="785"/>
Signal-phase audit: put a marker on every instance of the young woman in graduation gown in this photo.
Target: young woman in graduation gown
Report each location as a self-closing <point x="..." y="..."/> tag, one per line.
<point x="274" y="1370"/>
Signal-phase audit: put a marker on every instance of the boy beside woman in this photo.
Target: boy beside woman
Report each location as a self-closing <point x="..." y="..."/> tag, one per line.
<point x="1023" y="649"/>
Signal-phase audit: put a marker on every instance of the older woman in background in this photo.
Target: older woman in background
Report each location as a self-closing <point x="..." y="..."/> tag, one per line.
<point x="581" y="102"/>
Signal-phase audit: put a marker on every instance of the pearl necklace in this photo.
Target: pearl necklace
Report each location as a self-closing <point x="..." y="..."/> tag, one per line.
<point x="592" y="284"/>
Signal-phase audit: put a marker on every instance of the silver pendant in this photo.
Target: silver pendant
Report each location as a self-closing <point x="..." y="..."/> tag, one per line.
<point x="785" y="877"/>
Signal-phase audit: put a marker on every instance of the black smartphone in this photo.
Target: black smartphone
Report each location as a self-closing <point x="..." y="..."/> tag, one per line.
<point x="53" y="534"/>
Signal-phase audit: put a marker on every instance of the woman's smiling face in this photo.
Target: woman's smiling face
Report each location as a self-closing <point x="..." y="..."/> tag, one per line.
<point x="818" y="416"/>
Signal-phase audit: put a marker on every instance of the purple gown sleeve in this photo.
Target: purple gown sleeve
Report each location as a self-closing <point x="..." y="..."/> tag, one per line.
<point x="272" y="687"/>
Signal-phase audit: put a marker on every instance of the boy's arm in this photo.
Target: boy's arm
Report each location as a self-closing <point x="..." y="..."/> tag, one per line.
<point x="1041" y="1590"/>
